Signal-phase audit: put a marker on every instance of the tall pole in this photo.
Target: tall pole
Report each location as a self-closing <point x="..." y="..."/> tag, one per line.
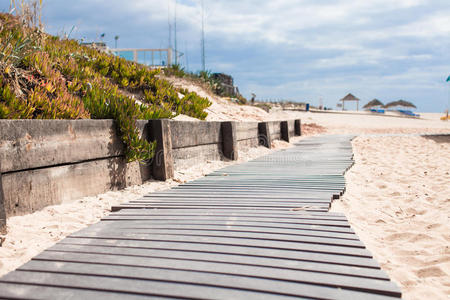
<point x="186" y="56"/>
<point x="448" y="103"/>
<point x="175" y="33"/>
<point x="170" y="24"/>
<point x="203" y="36"/>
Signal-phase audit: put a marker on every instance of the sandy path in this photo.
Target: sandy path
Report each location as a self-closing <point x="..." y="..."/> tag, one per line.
<point x="398" y="202"/>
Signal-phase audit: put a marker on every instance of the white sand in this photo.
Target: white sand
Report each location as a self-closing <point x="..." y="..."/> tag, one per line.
<point x="398" y="202"/>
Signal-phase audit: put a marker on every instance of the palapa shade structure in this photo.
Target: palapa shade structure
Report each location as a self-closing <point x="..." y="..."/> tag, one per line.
<point x="373" y="103"/>
<point x="350" y="97"/>
<point x="402" y="103"/>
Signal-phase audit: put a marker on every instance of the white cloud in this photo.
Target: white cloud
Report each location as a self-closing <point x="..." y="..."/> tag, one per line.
<point x="290" y="48"/>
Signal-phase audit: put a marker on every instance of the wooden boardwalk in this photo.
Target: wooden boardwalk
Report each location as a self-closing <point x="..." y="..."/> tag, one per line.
<point x="259" y="230"/>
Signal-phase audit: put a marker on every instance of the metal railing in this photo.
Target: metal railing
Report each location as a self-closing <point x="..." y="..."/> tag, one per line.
<point x="150" y="57"/>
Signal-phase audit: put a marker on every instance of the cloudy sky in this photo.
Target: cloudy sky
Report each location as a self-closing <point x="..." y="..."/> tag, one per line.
<point x="303" y="50"/>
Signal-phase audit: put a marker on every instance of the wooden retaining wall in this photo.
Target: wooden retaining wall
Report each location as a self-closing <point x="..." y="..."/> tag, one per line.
<point x="47" y="162"/>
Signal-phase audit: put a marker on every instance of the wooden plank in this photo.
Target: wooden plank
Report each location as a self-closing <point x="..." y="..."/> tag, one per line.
<point x="198" y="207"/>
<point x="229" y="226"/>
<point x="27" y="291"/>
<point x="126" y="286"/>
<point x="29" y="191"/>
<point x="252" y="260"/>
<point x="210" y="279"/>
<point x="227" y="233"/>
<point x="235" y="241"/>
<point x="264" y="220"/>
<point x="191" y="134"/>
<point x="39" y="143"/>
<point x="299" y="254"/>
<point x="2" y="206"/>
<point x="148" y="221"/>
<point x="202" y="197"/>
<point x="161" y="265"/>
<point x="238" y="213"/>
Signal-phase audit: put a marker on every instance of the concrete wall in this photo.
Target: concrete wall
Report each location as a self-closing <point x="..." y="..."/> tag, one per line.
<point x="47" y="162"/>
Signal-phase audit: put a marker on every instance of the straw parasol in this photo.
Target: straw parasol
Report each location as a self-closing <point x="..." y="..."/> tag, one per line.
<point x="402" y="103"/>
<point x="350" y="97"/>
<point x="373" y="103"/>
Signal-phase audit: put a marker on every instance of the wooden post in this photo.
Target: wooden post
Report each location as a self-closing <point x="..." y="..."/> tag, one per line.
<point x="2" y="207"/>
<point x="264" y="134"/>
<point x="229" y="140"/>
<point x="169" y="57"/>
<point x="284" y="131"/>
<point x="162" y="163"/>
<point x="298" y="127"/>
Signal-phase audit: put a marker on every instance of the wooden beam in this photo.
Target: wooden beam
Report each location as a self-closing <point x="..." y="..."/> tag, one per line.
<point x="298" y="127"/>
<point x="229" y="140"/>
<point x="264" y="137"/>
<point x="284" y="131"/>
<point x="2" y="207"/>
<point x="162" y="163"/>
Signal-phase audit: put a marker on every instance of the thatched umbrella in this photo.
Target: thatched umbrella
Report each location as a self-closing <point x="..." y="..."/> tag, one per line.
<point x="402" y="103"/>
<point x="350" y="97"/>
<point x="373" y="103"/>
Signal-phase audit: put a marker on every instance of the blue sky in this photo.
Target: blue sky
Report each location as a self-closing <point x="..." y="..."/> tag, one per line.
<point x="300" y="50"/>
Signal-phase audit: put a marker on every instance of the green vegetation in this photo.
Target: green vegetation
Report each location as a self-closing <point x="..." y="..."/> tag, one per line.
<point x="44" y="77"/>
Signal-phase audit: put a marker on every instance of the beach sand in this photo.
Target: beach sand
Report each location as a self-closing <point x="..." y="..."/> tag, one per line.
<point x="398" y="201"/>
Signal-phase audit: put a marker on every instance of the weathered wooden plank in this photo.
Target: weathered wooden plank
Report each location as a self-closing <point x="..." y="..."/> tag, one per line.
<point x="252" y="260"/>
<point x="202" y="207"/>
<point x="27" y="291"/>
<point x="293" y="222"/>
<point x="131" y="285"/>
<point x="161" y="265"/>
<point x="222" y="201"/>
<point x="162" y="163"/>
<point x="29" y="191"/>
<point x="191" y="134"/>
<point x="148" y="221"/>
<point x="229" y="140"/>
<point x="29" y="144"/>
<point x="298" y="254"/>
<point x="239" y="241"/>
<point x="222" y="233"/>
<point x="2" y="206"/>
<point x="210" y="279"/>
<point x="246" y="131"/>
<point x="229" y="226"/>
<point x="202" y="197"/>
<point x="236" y="214"/>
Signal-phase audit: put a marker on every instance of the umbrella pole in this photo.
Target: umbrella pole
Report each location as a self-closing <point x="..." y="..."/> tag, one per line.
<point x="448" y="103"/>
